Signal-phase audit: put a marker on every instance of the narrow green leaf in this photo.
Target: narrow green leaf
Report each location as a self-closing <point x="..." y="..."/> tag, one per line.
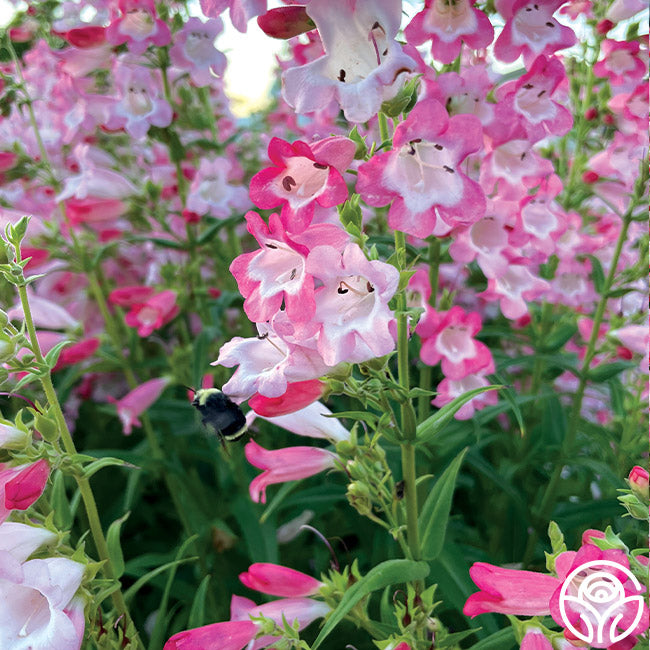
<point x="387" y="573"/>
<point x="60" y="503"/>
<point x="197" y="611"/>
<point x="502" y="640"/>
<point x="558" y="337"/>
<point x="434" y="515"/>
<point x="597" y="274"/>
<point x="434" y="424"/>
<point x="138" y="584"/>
<point x="605" y="371"/>
<point x="96" y="465"/>
<point x="114" y="546"/>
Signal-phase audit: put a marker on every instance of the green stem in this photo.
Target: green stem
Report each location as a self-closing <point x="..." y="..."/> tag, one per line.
<point x="434" y="270"/>
<point x="550" y="494"/>
<point x="85" y="490"/>
<point x="383" y="127"/>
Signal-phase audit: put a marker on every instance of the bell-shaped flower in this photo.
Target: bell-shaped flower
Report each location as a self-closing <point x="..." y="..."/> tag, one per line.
<point x="530" y="30"/>
<point x="449" y="25"/>
<point x="363" y="64"/>
<point x="277" y="580"/>
<point x="449" y="337"/>
<point x="21" y="486"/>
<point x="354" y="321"/>
<point x="138" y="26"/>
<point x="621" y="62"/>
<point x="531" y="99"/>
<point x="298" y="396"/>
<point x="38" y="605"/>
<point x="137" y="401"/>
<point x="276" y="273"/>
<point x="194" y="50"/>
<point x="267" y="364"/>
<point x="302" y="176"/>
<point x="211" y="191"/>
<point x="313" y="421"/>
<point x="449" y="389"/>
<point x="282" y="465"/>
<point x="140" y="103"/>
<point x="422" y="175"/>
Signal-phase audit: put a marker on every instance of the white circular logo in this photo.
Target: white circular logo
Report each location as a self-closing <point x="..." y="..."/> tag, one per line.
<point x="594" y="591"/>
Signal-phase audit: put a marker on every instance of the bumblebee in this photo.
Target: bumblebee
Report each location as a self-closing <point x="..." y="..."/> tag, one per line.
<point x="220" y="414"/>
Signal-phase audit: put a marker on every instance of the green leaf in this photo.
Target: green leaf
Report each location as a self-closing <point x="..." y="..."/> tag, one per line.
<point x="60" y="504"/>
<point x="502" y="640"/>
<point x="387" y="573"/>
<point x="453" y="639"/>
<point x="138" y="584"/>
<point x="114" y="547"/>
<point x="604" y="371"/>
<point x="53" y="355"/>
<point x="597" y="274"/>
<point x="362" y="147"/>
<point x="434" y="424"/>
<point x="434" y="515"/>
<point x="558" y="337"/>
<point x="197" y="611"/>
<point x="96" y="465"/>
<point x="365" y="416"/>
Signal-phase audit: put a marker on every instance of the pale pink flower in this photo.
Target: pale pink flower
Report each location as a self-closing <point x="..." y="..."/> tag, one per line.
<point x="534" y="639"/>
<point x="46" y="313"/>
<point x="138" y="26"/>
<point x="194" y="50"/>
<point x="137" y="401"/>
<point x="621" y="62"/>
<point x="363" y="64"/>
<point x="281" y="465"/>
<point x="153" y="313"/>
<point x="449" y="389"/>
<point x="241" y="11"/>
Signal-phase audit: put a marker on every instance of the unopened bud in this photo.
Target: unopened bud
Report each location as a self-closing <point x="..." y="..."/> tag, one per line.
<point x="604" y="26"/>
<point x="590" y="177"/>
<point x="634" y="506"/>
<point x="638" y="479"/>
<point x="13" y="437"/>
<point x="359" y="498"/>
<point x="46" y="427"/>
<point x="591" y="113"/>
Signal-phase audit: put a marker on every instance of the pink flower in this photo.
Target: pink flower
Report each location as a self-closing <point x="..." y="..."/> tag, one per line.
<point x="352" y="313"/>
<point x="449" y="336"/>
<point x="303" y="175"/>
<point x="298" y="395"/>
<point x="450" y="389"/>
<point x="152" y="314"/>
<point x="91" y="210"/>
<point x="281" y="465"/>
<point x="229" y="635"/>
<point x="363" y="64"/>
<point x="623" y="9"/>
<point x="422" y="174"/>
<point x="313" y="421"/>
<point x="194" y="50"/>
<point x="140" y="103"/>
<point x="77" y="352"/>
<point x="241" y="11"/>
<point x="530" y="30"/>
<point x="276" y="273"/>
<point x="638" y="479"/>
<point x="137" y="401"/>
<point x="278" y="580"/>
<point x="13" y="438"/>
<point x="21" y="486"/>
<point x="621" y="62"/>
<point x="211" y="191"/>
<point x="129" y="296"/>
<point x="534" y="639"/>
<point x="138" y="26"/>
<point x="38" y="605"/>
<point x="509" y="591"/>
<point x="448" y="25"/>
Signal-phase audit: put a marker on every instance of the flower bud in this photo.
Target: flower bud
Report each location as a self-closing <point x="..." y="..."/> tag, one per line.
<point x="590" y="177"/>
<point x="46" y="427"/>
<point x="633" y="505"/>
<point x="591" y="113"/>
<point x="638" y="479"/>
<point x="604" y="26"/>
<point x="7" y="348"/>
<point x="359" y="498"/>
<point x="13" y="438"/>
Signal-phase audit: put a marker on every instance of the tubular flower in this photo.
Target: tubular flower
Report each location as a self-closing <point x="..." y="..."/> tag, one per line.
<point x="422" y="174"/>
<point x="137" y="401"/>
<point x="279" y="580"/>
<point x="363" y="64"/>
<point x="21" y="486"/>
<point x="138" y="26"/>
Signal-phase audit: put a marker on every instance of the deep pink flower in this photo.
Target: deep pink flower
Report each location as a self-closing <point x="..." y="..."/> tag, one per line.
<point x="194" y="50"/>
<point x="422" y="175"/>
<point x="298" y="395"/>
<point x="77" y="352"/>
<point x="363" y="64"/>
<point x="129" y="296"/>
<point x="137" y="401"/>
<point x="303" y="175"/>
<point x="352" y="313"/>
<point x="21" y="486"/>
<point x="281" y="465"/>
<point x="530" y="30"/>
<point x="279" y="580"/>
<point x="86" y="37"/>
<point x="638" y="479"/>
<point x="91" y="210"/>
<point x="152" y="314"/>
<point x="449" y="25"/>
<point x="229" y="635"/>
<point x="534" y="639"/>
<point x="621" y="62"/>
<point x="277" y="272"/>
<point x="449" y="337"/>
<point x="138" y="26"/>
<point x="509" y="591"/>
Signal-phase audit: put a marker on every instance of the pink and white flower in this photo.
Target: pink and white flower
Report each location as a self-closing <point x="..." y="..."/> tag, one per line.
<point x="277" y="273"/>
<point x="449" y="389"/>
<point x="422" y="174"/>
<point x="138" y="26"/>
<point x="277" y="580"/>
<point x="363" y="64"/>
<point x="241" y="11"/>
<point x="21" y="485"/>
<point x="449" y="25"/>
<point x="621" y="62"/>
<point x="303" y="176"/>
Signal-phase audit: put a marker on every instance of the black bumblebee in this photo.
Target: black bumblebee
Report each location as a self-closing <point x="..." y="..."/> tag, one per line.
<point x="220" y="414"/>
